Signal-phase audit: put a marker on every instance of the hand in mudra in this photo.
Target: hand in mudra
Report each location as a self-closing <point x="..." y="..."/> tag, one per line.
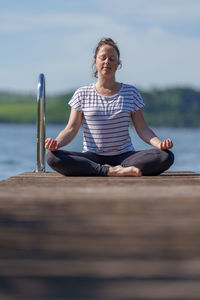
<point x="166" y="144"/>
<point x="51" y="144"/>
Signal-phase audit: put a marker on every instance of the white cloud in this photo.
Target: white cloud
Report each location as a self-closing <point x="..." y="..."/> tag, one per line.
<point x="155" y="10"/>
<point x="61" y="46"/>
<point x="162" y="59"/>
<point x="15" y="22"/>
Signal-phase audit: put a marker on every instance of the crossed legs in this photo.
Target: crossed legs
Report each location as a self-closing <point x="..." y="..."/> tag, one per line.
<point x="142" y="163"/>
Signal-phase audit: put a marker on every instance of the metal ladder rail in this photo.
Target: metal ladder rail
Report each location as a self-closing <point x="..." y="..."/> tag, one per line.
<point x="41" y="126"/>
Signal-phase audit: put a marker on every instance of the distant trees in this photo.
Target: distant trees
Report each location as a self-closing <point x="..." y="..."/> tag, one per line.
<point x="172" y="107"/>
<point x="177" y="107"/>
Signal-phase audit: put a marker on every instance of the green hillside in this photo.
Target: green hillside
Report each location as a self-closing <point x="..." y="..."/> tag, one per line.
<point x="177" y="107"/>
<point x="23" y="108"/>
<point x="172" y="107"/>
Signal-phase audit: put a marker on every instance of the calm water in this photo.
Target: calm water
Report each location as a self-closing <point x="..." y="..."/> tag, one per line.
<point x="18" y="147"/>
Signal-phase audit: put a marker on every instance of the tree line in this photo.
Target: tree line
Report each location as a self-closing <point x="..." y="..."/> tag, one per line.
<point x="170" y="107"/>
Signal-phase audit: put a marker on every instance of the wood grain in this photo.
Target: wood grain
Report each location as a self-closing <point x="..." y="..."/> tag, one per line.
<point x="99" y="237"/>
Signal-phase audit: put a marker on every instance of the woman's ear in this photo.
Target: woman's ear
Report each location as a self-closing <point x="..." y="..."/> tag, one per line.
<point x="119" y="65"/>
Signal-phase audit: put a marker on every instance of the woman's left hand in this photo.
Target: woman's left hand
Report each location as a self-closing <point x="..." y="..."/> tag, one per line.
<point x="166" y="144"/>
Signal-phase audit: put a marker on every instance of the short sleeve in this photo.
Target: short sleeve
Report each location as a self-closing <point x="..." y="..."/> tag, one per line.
<point x="76" y="100"/>
<point x="138" y="102"/>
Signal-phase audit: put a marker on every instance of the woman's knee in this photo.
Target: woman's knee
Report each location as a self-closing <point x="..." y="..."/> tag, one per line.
<point x="168" y="157"/>
<point x="52" y="159"/>
<point x="59" y="161"/>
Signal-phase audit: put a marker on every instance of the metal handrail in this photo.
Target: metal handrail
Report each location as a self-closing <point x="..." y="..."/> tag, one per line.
<point x="40" y="167"/>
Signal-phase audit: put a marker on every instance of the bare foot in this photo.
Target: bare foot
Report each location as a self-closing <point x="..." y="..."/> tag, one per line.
<point x="124" y="171"/>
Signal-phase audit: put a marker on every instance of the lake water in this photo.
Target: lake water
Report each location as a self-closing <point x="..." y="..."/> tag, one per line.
<point x="18" y="147"/>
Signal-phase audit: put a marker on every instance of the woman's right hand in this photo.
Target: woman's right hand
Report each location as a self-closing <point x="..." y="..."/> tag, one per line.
<point x="51" y="144"/>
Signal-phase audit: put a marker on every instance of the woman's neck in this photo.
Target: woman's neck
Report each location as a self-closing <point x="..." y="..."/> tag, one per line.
<point x="107" y="87"/>
<point x="107" y="83"/>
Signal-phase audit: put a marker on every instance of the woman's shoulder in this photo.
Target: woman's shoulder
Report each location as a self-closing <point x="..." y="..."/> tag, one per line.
<point x="130" y="87"/>
<point x="85" y="88"/>
<point x="132" y="93"/>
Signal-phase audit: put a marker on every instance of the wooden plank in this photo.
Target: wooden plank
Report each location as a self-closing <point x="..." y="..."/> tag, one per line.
<point x="100" y="238"/>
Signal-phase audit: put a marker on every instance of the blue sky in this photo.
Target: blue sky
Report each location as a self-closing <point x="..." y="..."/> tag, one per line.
<point x="159" y="42"/>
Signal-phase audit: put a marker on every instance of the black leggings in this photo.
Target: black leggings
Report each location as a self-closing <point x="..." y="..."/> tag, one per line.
<point x="150" y="162"/>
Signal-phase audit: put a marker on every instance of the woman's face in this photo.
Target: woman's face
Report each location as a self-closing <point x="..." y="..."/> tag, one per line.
<point x="106" y="61"/>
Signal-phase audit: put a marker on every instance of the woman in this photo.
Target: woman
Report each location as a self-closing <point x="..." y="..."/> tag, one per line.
<point x="106" y="109"/>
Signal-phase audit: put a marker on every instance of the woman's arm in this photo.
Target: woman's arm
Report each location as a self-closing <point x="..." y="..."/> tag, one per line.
<point x="67" y="134"/>
<point x="146" y="134"/>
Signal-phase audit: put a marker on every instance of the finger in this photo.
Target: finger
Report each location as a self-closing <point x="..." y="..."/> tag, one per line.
<point x="163" y="145"/>
<point x="54" y="144"/>
<point x="169" y="143"/>
<point x="51" y="144"/>
<point x="48" y="141"/>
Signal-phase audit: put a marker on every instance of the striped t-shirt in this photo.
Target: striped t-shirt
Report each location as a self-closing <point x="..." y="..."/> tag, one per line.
<point x="106" y="119"/>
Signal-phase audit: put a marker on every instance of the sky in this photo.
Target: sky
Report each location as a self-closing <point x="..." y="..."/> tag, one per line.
<point x="159" y="41"/>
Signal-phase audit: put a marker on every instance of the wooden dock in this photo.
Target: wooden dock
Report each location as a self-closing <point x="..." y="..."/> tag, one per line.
<point x="100" y="238"/>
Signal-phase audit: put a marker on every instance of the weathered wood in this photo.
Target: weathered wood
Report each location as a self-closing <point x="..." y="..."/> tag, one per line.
<point x="99" y="237"/>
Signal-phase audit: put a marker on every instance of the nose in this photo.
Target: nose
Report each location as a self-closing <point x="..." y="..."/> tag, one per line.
<point x="106" y="60"/>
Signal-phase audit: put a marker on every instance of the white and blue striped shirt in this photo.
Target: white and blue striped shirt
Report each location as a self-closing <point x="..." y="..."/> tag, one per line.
<point x="106" y="119"/>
